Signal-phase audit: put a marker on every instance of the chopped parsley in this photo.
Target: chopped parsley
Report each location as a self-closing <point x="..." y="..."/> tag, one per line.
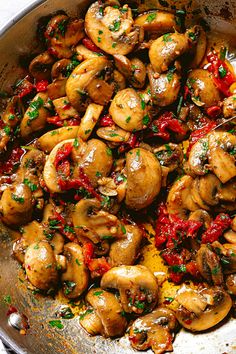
<point x="114" y="44"/>
<point x="109" y="152"/>
<point x="167" y="37"/>
<point x="31" y="185"/>
<point x="116" y="26"/>
<point x="7" y="129"/>
<point x="34" y="107"/>
<point x="7" y="299"/>
<point x="128" y="119"/>
<point x="169" y="76"/>
<point x="192" y="36"/>
<point x="98" y="293"/>
<point x="123" y="229"/>
<point x="222" y="71"/>
<point x="99" y="39"/>
<point x="151" y="17"/>
<point x="69" y="286"/>
<point x="77" y="262"/>
<point x="98" y="174"/>
<point x="143" y="104"/>
<point x="178" y="268"/>
<point x="17" y="199"/>
<point x="66" y="313"/>
<point x="145" y="120"/>
<point x="56" y="323"/>
<point x="76" y="143"/>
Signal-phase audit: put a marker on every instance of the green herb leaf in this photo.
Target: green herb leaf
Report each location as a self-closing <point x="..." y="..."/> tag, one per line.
<point x="56" y="323"/>
<point x="151" y="17"/>
<point x="222" y="71"/>
<point x="123" y="229"/>
<point x="7" y="129"/>
<point x="116" y="26"/>
<point x="215" y="270"/>
<point x="169" y="76"/>
<point x="98" y="293"/>
<point x="143" y="104"/>
<point x="128" y="119"/>
<point x="167" y="38"/>
<point x="180" y="268"/>
<point x="192" y="36"/>
<point x="7" y="299"/>
<point x="77" y="262"/>
<point x="82" y="316"/>
<point x="109" y="152"/>
<point x="114" y="44"/>
<point x="76" y="143"/>
<point x="145" y="120"/>
<point x="223" y="51"/>
<point x="99" y="39"/>
<point x="17" y="199"/>
<point x="66" y="313"/>
<point x="69" y="286"/>
<point x="31" y="185"/>
<point x="98" y="174"/>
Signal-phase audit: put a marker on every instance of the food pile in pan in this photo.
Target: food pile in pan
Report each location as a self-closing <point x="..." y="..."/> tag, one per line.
<point x="110" y="145"/>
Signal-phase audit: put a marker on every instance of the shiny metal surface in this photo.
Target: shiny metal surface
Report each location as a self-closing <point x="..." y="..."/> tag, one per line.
<point x="19" y="39"/>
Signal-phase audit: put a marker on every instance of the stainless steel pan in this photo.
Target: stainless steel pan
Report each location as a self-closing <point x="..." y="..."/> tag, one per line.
<point x="17" y="38"/>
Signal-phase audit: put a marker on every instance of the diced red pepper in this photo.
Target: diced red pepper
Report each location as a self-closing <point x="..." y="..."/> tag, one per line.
<point x="106" y="121"/>
<point x="186" y="92"/>
<point x="217" y="227"/>
<point x="130" y="144"/>
<point x="41" y="86"/>
<point x="63" y="169"/>
<point x="99" y="266"/>
<point x="56" y="120"/>
<point x="88" y="251"/>
<point x="216" y="67"/>
<point x="7" y="167"/>
<point x="62" y="153"/>
<point x="213" y="111"/>
<point x="176" y="277"/>
<point x="165" y="123"/>
<point x="90" y="45"/>
<point x="197" y="134"/>
<point x="24" y="88"/>
<point x="191" y="268"/>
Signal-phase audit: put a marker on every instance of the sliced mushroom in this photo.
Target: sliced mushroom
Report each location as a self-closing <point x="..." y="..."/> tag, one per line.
<point x="157" y="21"/>
<point x="57" y="89"/>
<point x="36" y="115"/>
<point x="198" y="51"/>
<point x="128" y="110"/>
<point x="87" y="80"/>
<point x="180" y="200"/>
<point x="143" y="178"/>
<point x="107" y="186"/>
<point x="62" y="33"/>
<point x="16" y="205"/>
<point x="13" y="112"/>
<point x="203" y="88"/>
<point x="124" y="251"/>
<point x="227" y="254"/>
<point x="164" y="87"/>
<point x="50" y="172"/>
<point x="208" y="264"/>
<point x="114" y="134"/>
<point x="218" y="306"/>
<point x="134" y="283"/>
<point x="202" y="216"/>
<point x="229" y="106"/>
<point x="75" y="278"/>
<point x="49" y="140"/>
<point x="222" y="147"/>
<point x="60" y="69"/>
<point x="169" y="155"/>
<point x="40" y="66"/>
<point x="231" y="283"/>
<point x="96" y="162"/>
<point x="208" y="189"/>
<point x="64" y="109"/>
<point x="154" y="330"/>
<point x="230" y="236"/>
<point x="89" y="120"/>
<point x="84" y="53"/>
<point x="227" y="191"/>
<point x="111" y="29"/>
<point x="198" y="157"/>
<point x="134" y="69"/>
<point x="93" y="223"/>
<point x="167" y="48"/>
<point x="196" y="195"/>
<point x="106" y="313"/>
<point x="41" y="266"/>
<point x="234" y="224"/>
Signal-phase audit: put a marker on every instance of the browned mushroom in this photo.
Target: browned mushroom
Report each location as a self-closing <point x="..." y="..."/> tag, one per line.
<point x="154" y="330"/>
<point x="201" y="310"/>
<point x="105" y="317"/>
<point x="137" y="286"/>
<point x="208" y="264"/>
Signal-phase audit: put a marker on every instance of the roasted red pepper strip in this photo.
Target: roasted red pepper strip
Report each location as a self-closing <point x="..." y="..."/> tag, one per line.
<point x="99" y="266"/>
<point x="56" y="120"/>
<point x="165" y="122"/>
<point x="90" y="45"/>
<point x="8" y="167"/>
<point x="200" y="133"/>
<point x="217" y="227"/>
<point x="63" y="153"/>
<point x="223" y="77"/>
<point x="213" y="111"/>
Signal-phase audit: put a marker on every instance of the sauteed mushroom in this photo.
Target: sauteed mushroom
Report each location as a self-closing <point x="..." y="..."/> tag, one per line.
<point x="134" y="70"/>
<point x="106" y="316"/>
<point x="75" y="278"/>
<point x="124" y="251"/>
<point x="111" y="29"/>
<point x="40" y="66"/>
<point x="201" y="310"/>
<point x="209" y="265"/>
<point x="156" y="21"/>
<point x="134" y="283"/>
<point x="88" y="80"/>
<point x="229" y="106"/>
<point x="41" y="266"/>
<point x="154" y="330"/>
<point x="143" y="178"/>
